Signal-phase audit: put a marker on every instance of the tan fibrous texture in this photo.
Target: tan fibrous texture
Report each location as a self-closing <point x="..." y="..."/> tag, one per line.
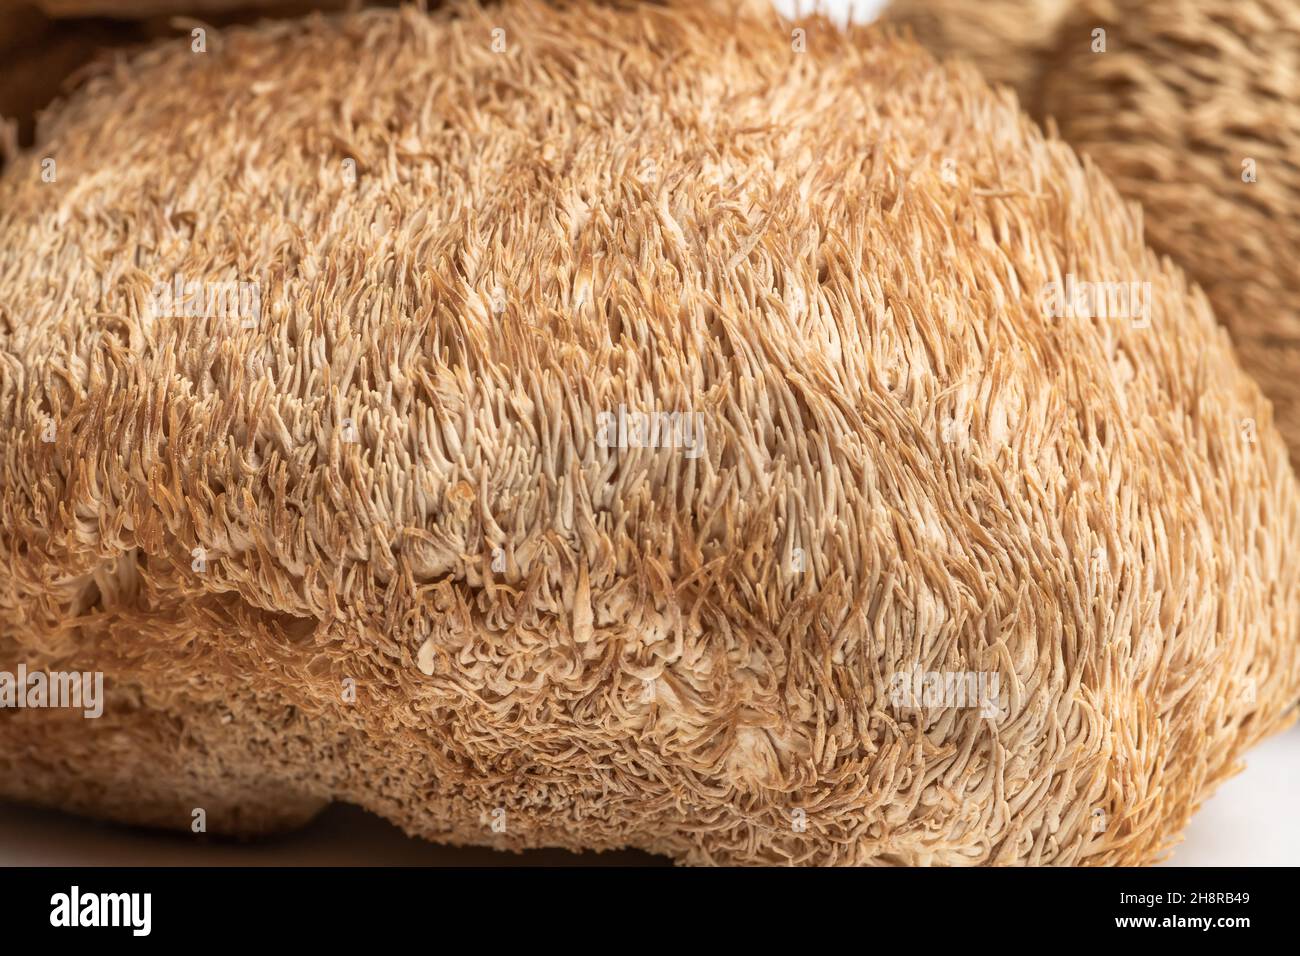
<point x="1190" y="101"/>
<point x="399" y="481"/>
<point x="1007" y="39"/>
<point x="146" y="9"/>
<point x="44" y="43"/>
<point x="1186" y="94"/>
<point x="37" y="57"/>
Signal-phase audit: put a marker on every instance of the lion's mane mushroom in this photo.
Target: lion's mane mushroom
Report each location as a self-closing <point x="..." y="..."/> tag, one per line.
<point x="1011" y="41"/>
<point x="1192" y="108"/>
<point x="589" y="427"/>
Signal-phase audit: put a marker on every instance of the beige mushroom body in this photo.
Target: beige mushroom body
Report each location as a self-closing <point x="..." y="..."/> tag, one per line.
<point x="369" y="544"/>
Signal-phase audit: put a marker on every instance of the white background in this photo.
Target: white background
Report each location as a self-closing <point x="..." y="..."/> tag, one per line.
<point x="1251" y="821"/>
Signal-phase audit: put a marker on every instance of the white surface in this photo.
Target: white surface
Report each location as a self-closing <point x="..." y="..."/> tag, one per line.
<point x="1250" y="822"/>
<point x="861" y="11"/>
